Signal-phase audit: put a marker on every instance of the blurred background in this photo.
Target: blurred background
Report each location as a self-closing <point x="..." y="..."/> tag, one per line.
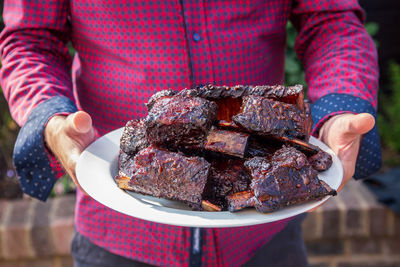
<point x="349" y="230"/>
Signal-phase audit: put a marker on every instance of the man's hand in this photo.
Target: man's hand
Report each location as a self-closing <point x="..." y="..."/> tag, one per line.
<point x="67" y="137"/>
<point x="342" y="133"/>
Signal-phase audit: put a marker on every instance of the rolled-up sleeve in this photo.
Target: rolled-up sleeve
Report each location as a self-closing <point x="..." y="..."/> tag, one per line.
<point x="36" y="81"/>
<point x="340" y="61"/>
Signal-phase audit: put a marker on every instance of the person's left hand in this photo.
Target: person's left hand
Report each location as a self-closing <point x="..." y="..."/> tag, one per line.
<point x="342" y="133"/>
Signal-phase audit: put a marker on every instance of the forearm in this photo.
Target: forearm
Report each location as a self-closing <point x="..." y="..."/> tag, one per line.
<point x="34" y="69"/>
<point x="35" y="78"/>
<point x="340" y="62"/>
<point x="338" y="56"/>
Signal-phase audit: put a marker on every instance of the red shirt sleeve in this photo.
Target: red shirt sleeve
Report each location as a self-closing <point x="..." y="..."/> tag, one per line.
<point x="35" y="60"/>
<point x="36" y="64"/>
<point x="338" y="54"/>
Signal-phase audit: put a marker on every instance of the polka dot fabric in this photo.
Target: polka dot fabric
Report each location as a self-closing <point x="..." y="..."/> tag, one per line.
<point x="369" y="158"/>
<point x="35" y="173"/>
<point x="338" y="57"/>
<point x="127" y="50"/>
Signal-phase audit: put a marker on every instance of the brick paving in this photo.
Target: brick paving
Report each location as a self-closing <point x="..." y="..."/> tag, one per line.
<point x="350" y="230"/>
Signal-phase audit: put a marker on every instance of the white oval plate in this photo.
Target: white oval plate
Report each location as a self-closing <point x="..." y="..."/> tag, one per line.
<point x="98" y="164"/>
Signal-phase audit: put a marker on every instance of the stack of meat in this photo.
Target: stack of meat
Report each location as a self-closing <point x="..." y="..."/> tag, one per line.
<point x="225" y="148"/>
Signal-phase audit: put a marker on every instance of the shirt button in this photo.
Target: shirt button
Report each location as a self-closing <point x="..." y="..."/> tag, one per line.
<point x="196" y="37"/>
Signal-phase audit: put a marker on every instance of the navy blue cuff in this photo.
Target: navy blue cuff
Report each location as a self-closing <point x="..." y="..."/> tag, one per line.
<point x="30" y="158"/>
<point x="369" y="158"/>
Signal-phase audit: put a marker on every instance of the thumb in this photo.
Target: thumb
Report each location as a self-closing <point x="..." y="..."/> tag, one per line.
<point x="79" y="123"/>
<point x="345" y="128"/>
<point x="356" y="125"/>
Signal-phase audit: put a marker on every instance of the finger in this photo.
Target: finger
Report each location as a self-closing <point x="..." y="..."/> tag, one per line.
<point x="81" y="122"/>
<point x="72" y="169"/>
<point x="344" y="129"/>
<point x="80" y="133"/>
<point x="360" y="124"/>
<point x="79" y="127"/>
<point x="351" y="126"/>
<point x="78" y="123"/>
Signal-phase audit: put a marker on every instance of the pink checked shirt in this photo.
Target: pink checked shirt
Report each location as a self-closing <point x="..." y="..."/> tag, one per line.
<point x="127" y="50"/>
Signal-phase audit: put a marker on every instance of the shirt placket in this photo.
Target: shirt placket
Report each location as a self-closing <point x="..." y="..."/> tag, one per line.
<point x="200" y="61"/>
<point x="199" y="44"/>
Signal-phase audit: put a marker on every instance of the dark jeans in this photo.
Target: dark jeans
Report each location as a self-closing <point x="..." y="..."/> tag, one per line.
<point x="286" y="249"/>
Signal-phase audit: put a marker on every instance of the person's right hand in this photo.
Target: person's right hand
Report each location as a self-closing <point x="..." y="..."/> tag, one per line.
<point x="67" y="137"/>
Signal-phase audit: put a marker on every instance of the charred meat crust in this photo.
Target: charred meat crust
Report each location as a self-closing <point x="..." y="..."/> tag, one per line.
<point x="287" y="94"/>
<point x="155" y="97"/>
<point x="263" y="116"/>
<point x="133" y="138"/>
<point x="240" y="200"/>
<point x="166" y="174"/>
<point x="180" y="123"/>
<point x="320" y="161"/>
<point x="286" y="179"/>
<point x="220" y="148"/>
<point x="226" y="177"/>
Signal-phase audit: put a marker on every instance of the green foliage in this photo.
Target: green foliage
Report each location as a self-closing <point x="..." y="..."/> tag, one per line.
<point x="8" y="134"/>
<point x="63" y="186"/>
<point x="389" y="111"/>
<point x="372" y="28"/>
<point x="71" y="49"/>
